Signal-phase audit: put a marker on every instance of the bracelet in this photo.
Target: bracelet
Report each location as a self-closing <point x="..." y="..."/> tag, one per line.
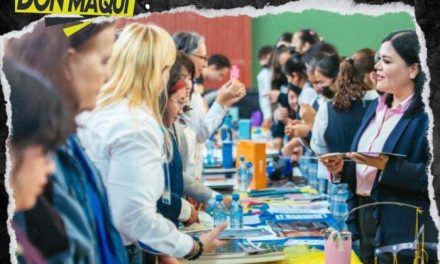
<point x="197" y="250"/>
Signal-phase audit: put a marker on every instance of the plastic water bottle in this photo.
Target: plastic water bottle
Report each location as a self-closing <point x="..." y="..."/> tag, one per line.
<point x="226" y="129"/>
<point x="249" y="174"/>
<point x="236" y="212"/>
<point x="219" y="211"/>
<point x="242" y="176"/>
<point x="210" y="155"/>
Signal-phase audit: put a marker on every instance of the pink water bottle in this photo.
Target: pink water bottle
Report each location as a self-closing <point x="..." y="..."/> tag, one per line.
<point x="337" y="247"/>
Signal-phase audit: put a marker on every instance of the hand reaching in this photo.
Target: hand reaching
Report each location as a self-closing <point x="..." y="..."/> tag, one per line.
<point x="210" y="241"/>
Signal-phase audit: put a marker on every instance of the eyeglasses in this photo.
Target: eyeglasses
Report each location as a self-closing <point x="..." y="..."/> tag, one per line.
<point x="181" y="104"/>
<point x="185" y="77"/>
<point x="200" y="56"/>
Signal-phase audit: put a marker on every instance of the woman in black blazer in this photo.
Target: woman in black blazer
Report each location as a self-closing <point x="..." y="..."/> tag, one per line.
<point x="394" y="123"/>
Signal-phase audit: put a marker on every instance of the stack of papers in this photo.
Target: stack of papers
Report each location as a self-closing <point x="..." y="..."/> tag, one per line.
<point x="309" y="208"/>
<point x="344" y="156"/>
<point x="220" y="181"/>
<point x="298" y="229"/>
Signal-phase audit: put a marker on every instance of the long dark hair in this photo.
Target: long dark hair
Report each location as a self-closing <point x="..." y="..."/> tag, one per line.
<point x="44" y="50"/>
<point x="407" y="45"/>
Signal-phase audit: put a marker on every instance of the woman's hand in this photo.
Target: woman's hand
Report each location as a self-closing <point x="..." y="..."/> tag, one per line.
<point x="297" y="153"/>
<point x="210" y="241"/>
<point x="267" y="123"/>
<point x="288" y="129"/>
<point x="378" y="162"/>
<point x="230" y="93"/>
<point x="298" y="130"/>
<point x="333" y="164"/>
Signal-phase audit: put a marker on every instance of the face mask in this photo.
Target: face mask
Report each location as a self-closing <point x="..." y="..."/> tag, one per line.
<point x="327" y="92"/>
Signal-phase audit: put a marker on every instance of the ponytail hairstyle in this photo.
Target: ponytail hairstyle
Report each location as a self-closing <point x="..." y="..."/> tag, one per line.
<point x="349" y="84"/>
<point x="364" y="63"/>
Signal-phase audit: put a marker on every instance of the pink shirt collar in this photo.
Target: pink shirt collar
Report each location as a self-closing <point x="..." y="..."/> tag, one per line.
<point x="398" y="109"/>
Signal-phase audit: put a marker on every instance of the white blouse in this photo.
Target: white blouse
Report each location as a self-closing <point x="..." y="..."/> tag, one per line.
<point x="203" y="125"/>
<point x="127" y="146"/>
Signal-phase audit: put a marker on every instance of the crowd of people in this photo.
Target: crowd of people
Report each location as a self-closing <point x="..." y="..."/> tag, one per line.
<point x="119" y="124"/>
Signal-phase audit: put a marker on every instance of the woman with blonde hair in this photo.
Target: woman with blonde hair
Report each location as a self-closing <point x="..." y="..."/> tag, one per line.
<point x="126" y="139"/>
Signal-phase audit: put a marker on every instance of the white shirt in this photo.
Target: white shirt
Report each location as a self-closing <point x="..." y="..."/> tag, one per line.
<point x="264" y="78"/>
<point x="308" y="95"/>
<point x="203" y="125"/>
<point x="127" y="146"/>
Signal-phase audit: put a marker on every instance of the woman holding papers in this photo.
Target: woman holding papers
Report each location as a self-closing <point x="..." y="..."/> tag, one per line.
<point x="395" y="123"/>
<point x="126" y="138"/>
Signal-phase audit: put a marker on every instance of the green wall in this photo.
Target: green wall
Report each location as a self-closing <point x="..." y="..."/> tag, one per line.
<point x="348" y="33"/>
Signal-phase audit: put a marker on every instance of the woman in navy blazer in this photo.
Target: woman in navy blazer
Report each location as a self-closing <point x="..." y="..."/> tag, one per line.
<point x="395" y="123"/>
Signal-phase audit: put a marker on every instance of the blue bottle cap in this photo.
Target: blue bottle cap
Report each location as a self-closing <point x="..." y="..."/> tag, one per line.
<point x="249" y="165"/>
<point x="219" y="197"/>
<point x="235" y="197"/>
<point x="241" y="158"/>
